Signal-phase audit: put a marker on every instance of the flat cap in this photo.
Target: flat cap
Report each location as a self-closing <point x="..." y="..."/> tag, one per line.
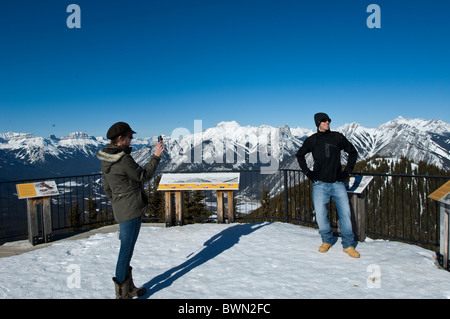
<point x="119" y="129"/>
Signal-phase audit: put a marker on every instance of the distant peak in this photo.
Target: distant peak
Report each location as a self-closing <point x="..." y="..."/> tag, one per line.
<point x="76" y="135"/>
<point x="14" y="135"/>
<point x="53" y="137"/>
<point x="228" y="124"/>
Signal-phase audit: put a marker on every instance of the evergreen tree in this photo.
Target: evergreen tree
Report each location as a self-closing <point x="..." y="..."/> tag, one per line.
<point x="265" y="203"/>
<point x="396" y="206"/>
<point x="75" y="216"/>
<point x="156" y="200"/>
<point x="92" y="210"/>
<point x="194" y="206"/>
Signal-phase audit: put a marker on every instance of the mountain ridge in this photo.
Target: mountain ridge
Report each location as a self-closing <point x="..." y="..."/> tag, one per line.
<point x="227" y="146"/>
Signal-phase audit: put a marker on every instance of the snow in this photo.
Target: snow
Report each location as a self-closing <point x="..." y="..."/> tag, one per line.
<point x="226" y="261"/>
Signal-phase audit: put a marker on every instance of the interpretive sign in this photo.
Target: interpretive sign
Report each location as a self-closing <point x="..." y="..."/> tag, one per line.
<point x="176" y="184"/>
<point x="38" y="189"/>
<point x="199" y="181"/>
<point x="442" y="194"/>
<point x="357" y="184"/>
<point x="38" y="209"/>
<point x="355" y="189"/>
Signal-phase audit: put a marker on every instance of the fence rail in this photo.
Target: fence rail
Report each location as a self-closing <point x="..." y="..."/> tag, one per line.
<point x="397" y="206"/>
<point x="81" y="204"/>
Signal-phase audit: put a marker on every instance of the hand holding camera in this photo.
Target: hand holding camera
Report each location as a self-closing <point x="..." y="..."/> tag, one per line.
<point x="159" y="147"/>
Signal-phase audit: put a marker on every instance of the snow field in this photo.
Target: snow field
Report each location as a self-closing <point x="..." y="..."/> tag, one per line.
<point x="226" y="261"/>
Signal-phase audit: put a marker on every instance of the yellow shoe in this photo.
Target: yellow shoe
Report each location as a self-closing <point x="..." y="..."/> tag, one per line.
<point x="324" y="247"/>
<point x="352" y="252"/>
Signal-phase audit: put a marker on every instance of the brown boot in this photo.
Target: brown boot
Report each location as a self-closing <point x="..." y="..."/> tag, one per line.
<point x="352" y="252"/>
<point x="122" y="289"/>
<point x="324" y="247"/>
<point x="133" y="290"/>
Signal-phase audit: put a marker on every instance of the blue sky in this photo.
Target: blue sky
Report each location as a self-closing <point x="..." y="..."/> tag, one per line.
<point x="160" y="65"/>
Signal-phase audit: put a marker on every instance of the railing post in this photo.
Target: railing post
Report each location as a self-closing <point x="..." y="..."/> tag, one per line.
<point x="286" y="197"/>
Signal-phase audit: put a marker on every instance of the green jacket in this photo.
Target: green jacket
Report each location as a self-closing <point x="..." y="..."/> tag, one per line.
<point x="123" y="181"/>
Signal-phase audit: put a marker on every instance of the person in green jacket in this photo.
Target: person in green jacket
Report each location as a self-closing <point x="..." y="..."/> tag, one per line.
<point x="123" y="181"/>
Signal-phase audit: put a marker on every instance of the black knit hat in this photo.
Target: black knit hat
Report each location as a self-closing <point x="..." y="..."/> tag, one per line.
<point x="119" y="129"/>
<point x="319" y="117"/>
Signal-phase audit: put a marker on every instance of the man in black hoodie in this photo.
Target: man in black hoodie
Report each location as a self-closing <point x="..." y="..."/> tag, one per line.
<point x="328" y="181"/>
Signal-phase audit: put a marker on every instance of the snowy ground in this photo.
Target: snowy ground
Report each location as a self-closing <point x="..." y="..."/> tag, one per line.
<point x="226" y="261"/>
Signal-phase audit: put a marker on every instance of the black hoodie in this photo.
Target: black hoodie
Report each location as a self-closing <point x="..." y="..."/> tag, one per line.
<point x="326" y="151"/>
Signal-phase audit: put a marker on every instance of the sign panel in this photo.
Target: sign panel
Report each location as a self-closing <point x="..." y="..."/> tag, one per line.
<point x="198" y="181"/>
<point x="38" y="189"/>
<point x="357" y="184"/>
<point x="442" y="194"/>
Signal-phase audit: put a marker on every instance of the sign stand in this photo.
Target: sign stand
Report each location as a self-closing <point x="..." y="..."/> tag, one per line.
<point x="355" y="188"/>
<point x="174" y="185"/>
<point x="442" y="195"/>
<point x="220" y="207"/>
<point x="174" y="211"/>
<point x="38" y="209"/>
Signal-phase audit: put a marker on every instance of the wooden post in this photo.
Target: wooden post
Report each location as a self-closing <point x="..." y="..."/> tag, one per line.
<point x="230" y="206"/>
<point x="47" y="219"/>
<point x="361" y="217"/>
<point x="360" y="210"/>
<point x="358" y="218"/>
<point x="33" y="224"/>
<point x="220" y="206"/>
<point x="179" y="207"/>
<point x="174" y="213"/>
<point x="168" y="209"/>
<point x="220" y="215"/>
<point x="444" y="234"/>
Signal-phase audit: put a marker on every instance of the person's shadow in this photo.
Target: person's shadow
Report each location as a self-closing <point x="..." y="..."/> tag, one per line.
<point x="212" y="248"/>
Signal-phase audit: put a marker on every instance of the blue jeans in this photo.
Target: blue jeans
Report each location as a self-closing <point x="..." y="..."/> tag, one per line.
<point x="322" y="192"/>
<point x="129" y="232"/>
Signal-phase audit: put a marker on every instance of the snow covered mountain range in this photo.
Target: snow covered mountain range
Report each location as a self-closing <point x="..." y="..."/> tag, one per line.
<point x="225" y="146"/>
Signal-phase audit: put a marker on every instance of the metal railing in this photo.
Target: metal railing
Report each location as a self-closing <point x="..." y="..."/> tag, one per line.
<point x="80" y="205"/>
<point x="397" y="206"/>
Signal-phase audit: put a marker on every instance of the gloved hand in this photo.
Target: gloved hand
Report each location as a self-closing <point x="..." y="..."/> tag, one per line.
<point x="312" y="176"/>
<point x="342" y="176"/>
